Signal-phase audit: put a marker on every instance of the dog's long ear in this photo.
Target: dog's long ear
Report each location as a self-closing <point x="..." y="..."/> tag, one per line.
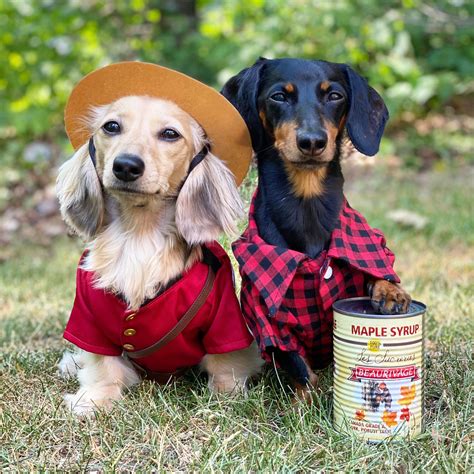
<point x="80" y="194"/>
<point x="208" y="203"/>
<point x="367" y="114"/>
<point x="242" y="92"/>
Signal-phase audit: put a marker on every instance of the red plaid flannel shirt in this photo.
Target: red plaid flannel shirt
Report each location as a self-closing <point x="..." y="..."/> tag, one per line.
<point x="287" y="297"/>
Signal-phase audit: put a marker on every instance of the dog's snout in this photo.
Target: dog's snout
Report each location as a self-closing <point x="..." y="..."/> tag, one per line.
<point x="128" y="167"/>
<point x="312" y="143"/>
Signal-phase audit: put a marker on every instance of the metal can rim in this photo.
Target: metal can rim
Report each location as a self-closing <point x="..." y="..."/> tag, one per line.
<point x="338" y="306"/>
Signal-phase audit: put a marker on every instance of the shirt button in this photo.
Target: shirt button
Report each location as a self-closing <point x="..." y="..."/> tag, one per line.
<point x="328" y="273"/>
<point x="130" y="317"/>
<point x="129" y="347"/>
<point x="129" y="332"/>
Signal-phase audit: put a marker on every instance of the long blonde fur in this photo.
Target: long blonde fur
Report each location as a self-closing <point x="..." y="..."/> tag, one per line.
<point x="80" y="194"/>
<point x="138" y="242"/>
<point x="138" y="253"/>
<point x="199" y="217"/>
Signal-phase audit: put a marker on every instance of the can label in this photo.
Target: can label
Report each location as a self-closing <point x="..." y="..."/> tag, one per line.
<point x="378" y="375"/>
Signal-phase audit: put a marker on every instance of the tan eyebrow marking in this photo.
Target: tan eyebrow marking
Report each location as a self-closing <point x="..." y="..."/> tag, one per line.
<point x="324" y="86"/>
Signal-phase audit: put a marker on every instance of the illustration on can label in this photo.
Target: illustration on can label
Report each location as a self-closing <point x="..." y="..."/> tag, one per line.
<point x="378" y="368"/>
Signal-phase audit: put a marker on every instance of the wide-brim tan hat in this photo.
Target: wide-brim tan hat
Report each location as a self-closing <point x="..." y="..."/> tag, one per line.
<point x="225" y="128"/>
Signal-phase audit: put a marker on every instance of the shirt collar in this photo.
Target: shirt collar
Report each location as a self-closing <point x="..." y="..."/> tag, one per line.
<point x="352" y="241"/>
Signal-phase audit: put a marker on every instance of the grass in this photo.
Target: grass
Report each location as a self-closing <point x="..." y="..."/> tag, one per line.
<point x="184" y="428"/>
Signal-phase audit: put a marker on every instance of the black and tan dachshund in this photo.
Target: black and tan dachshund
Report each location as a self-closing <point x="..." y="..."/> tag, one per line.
<point x="298" y="112"/>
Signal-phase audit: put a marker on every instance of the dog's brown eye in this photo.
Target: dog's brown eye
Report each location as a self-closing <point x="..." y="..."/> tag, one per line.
<point x="278" y="97"/>
<point x="334" y="96"/>
<point x="112" y="128"/>
<point x="169" y="134"/>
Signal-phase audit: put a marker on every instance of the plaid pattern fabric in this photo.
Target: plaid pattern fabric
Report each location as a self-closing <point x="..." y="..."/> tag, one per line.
<point x="287" y="297"/>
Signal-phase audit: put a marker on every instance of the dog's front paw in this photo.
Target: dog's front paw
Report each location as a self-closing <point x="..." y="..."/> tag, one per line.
<point x="79" y="404"/>
<point x="86" y="401"/>
<point x="226" y="384"/>
<point x="306" y="393"/>
<point x="388" y="298"/>
<point x="69" y="365"/>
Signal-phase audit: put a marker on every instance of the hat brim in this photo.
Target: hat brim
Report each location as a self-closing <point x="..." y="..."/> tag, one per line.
<point x="225" y="128"/>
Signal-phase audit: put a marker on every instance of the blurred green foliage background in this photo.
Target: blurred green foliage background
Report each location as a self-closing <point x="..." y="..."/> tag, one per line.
<point x="418" y="54"/>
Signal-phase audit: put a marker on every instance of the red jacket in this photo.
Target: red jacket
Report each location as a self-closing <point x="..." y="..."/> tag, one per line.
<point x="287" y="297"/>
<point x="101" y="323"/>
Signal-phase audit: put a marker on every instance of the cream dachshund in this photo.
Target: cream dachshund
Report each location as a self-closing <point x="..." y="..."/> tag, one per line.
<point x="150" y="199"/>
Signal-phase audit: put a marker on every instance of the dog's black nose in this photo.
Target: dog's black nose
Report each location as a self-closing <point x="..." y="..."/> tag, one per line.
<point x="128" y="167"/>
<point x="311" y="143"/>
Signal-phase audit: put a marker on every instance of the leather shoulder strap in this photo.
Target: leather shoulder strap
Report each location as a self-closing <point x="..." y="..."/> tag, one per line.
<point x="182" y="323"/>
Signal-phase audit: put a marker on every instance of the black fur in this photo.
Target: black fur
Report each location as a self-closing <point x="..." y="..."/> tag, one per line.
<point x="294" y="365"/>
<point x="367" y="114"/>
<point x="292" y="222"/>
<point x="283" y="219"/>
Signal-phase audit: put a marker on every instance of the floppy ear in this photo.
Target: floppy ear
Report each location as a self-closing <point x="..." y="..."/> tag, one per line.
<point x="208" y="203"/>
<point x="367" y="114"/>
<point x="242" y="92"/>
<point x="80" y="194"/>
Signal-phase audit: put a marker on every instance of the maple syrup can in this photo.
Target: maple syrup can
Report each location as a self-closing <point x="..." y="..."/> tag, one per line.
<point x="378" y="370"/>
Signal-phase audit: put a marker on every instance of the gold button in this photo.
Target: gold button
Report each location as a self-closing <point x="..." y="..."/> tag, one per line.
<point x="130" y="317"/>
<point x="129" y="332"/>
<point x="129" y="347"/>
